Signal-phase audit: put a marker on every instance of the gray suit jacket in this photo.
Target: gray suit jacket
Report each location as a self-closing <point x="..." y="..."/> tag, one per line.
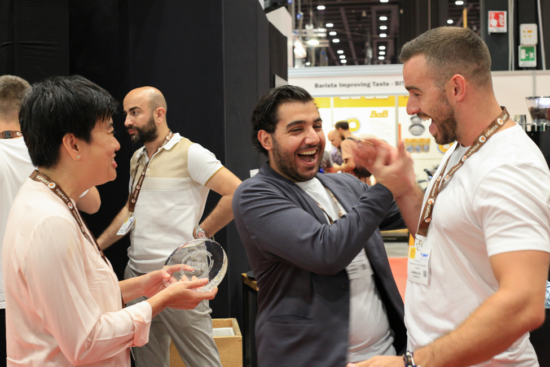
<point x="299" y="262"/>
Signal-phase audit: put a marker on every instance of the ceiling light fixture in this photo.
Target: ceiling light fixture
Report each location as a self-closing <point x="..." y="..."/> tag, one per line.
<point x="340" y="51"/>
<point x="335" y="40"/>
<point x="382" y="47"/>
<point x="382" y="52"/>
<point x="450" y="21"/>
<point x="343" y="61"/>
<point x="383" y="27"/>
<point x="383" y="35"/>
<point x="332" y="33"/>
<point x="384" y="1"/>
<point x="329" y="25"/>
<point x="321" y="7"/>
<point x="313" y="42"/>
<point x="308" y="63"/>
<point x="381" y="57"/>
<point x="383" y="18"/>
<point x="342" y="56"/>
<point x="459" y="2"/>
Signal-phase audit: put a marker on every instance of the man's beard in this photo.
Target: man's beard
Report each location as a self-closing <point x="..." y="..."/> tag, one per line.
<point x="145" y="134"/>
<point x="446" y="124"/>
<point x="287" y="165"/>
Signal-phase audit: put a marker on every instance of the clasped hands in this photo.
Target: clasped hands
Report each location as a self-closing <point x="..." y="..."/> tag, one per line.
<point x="392" y="167"/>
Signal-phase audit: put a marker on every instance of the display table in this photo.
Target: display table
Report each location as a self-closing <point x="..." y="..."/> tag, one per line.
<point x="250" y="305"/>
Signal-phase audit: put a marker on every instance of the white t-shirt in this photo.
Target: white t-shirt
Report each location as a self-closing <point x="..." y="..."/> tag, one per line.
<point x="169" y="208"/>
<point x="15" y="167"/>
<point x="369" y="329"/>
<point x="497" y="202"/>
<point x="63" y="300"/>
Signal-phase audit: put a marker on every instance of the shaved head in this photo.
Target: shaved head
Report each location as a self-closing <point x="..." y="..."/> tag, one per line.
<point x="151" y="95"/>
<point x="334" y="138"/>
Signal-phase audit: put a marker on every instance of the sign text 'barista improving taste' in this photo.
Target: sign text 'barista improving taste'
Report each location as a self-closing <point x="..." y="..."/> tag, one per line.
<point x="373" y="84"/>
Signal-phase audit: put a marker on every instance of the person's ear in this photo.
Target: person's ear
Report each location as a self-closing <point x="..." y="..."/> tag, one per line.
<point x="159" y="115"/>
<point x="71" y="144"/>
<point x="457" y="88"/>
<point x="265" y="139"/>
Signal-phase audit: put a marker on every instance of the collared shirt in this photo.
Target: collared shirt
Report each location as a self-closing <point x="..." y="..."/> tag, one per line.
<point x="63" y="300"/>
<point x="171" y="201"/>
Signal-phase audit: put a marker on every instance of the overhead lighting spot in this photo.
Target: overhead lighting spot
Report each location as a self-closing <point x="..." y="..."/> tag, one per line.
<point x="383" y="27"/>
<point x="384" y="1"/>
<point x="335" y="40"/>
<point x="459" y="2"/>
<point x="383" y="18"/>
<point x="343" y="61"/>
<point x="332" y="33"/>
<point x="342" y="56"/>
<point x="329" y="25"/>
<point x="340" y="51"/>
<point x="308" y="63"/>
<point x="382" y="47"/>
<point x="383" y="35"/>
<point x="313" y="42"/>
<point x="450" y="21"/>
<point x="382" y="52"/>
<point x="381" y="57"/>
<point x="321" y="7"/>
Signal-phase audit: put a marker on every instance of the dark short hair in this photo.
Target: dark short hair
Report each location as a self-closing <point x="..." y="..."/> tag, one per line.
<point x="58" y="106"/>
<point x="12" y="90"/>
<point x="342" y="125"/>
<point x="265" y="115"/>
<point x="450" y="51"/>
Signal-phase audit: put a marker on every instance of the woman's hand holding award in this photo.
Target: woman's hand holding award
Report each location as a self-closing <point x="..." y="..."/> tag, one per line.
<point x="197" y="259"/>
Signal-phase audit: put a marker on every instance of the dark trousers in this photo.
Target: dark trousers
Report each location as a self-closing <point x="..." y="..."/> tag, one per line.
<point x="3" y="353"/>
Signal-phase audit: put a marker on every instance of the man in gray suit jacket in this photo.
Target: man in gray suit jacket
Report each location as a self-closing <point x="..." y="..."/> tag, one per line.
<point x="327" y="295"/>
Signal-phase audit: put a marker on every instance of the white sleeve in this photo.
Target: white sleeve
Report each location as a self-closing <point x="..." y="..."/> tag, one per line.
<point x="59" y="291"/>
<point x="512" y="207"/>
<point x="202" y="163"/>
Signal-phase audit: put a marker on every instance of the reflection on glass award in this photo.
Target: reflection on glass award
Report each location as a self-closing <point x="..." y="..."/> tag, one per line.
<point x="197" y="259"/>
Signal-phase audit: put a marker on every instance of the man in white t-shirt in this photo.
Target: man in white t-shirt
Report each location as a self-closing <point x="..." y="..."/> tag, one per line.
<point x="15" y="168"/>
<point x="326" y="291"/>
<point x="478" y="269"/>
<point x="167" y="207"/>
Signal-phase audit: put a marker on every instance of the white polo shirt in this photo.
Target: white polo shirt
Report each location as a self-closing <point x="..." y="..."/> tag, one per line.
<point x="171" y="201"/>
<point x="499" y="201"/>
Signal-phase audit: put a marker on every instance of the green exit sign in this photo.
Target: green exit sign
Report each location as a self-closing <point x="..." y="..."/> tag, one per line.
<point x="527" y="56"/>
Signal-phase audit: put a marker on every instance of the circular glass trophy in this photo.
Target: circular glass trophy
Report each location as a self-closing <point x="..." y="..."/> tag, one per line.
<point x="197" y="259"/>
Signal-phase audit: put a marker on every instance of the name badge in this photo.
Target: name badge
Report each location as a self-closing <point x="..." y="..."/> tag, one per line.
<point x="359" y="267"/>
<point x="418" y="267"/>
<point x="127" y="226"/>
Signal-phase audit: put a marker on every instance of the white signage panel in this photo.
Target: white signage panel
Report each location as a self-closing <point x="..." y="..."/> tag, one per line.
<point x="351" y="85"/>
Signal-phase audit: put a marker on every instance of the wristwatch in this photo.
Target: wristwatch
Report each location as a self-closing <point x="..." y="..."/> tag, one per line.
<point x="200" y="233"/>
<point x="408" y="359"/>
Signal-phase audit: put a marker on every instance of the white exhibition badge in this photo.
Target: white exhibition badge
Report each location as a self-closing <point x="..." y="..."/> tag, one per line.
<point x="127" y="225"/>
<point x="418" y="267"/>
<point x="359" y="267"/>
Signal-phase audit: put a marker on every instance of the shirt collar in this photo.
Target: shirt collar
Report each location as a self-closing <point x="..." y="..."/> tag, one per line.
<point x="176" y="137"/>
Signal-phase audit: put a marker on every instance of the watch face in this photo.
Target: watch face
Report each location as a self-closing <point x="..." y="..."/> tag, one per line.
<point x="197" y="259"/>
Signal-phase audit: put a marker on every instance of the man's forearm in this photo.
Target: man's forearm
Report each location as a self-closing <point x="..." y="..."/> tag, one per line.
<point x="410" y="206"/>
<point x="220" y="216"/>
<point x="109" y="236"/>
<point x="489" y="331"/>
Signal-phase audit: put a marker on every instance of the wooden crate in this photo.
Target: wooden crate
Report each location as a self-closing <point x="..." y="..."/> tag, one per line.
<point x="230" y="347"/>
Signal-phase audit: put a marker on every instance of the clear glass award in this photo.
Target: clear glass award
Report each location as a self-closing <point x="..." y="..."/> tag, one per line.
<point x="197" y="259"/>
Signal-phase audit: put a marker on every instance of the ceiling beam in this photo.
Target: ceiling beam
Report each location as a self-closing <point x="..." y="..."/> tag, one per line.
<point x="350" y="40"/>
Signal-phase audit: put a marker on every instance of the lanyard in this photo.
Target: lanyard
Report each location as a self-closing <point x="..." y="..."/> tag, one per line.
<point x="137" y="189"/>
<point x="57" y="190"/>
<point x="324" y="211"/>
<point x="427" y="211"/>
<point x="9" y="134"/>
